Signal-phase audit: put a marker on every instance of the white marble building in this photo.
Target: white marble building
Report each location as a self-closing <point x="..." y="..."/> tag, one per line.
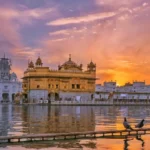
<point x="135" y="91"/>
<point x="9" y="84"/>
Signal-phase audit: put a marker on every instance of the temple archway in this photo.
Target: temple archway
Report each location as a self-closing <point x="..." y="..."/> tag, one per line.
<point x="49" y="95"/>
<point x="13" y="96"/>
<point x="56" y="96"/>
<point x="5" y="96"/>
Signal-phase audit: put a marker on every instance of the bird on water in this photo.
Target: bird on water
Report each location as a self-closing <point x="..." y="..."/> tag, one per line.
<point x="140" y="125"/>
<point x="126" y="124"/>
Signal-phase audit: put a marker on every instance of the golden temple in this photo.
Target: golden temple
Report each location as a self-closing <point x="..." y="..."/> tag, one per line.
<point x="66" y="83"/>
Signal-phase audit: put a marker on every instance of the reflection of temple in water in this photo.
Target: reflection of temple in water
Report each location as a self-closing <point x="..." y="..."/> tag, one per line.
<point x="47" y="119"/>
<point x="24" y="119"/>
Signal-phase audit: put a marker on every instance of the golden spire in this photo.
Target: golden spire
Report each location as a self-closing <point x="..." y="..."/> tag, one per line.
<point x="69" y="57"/>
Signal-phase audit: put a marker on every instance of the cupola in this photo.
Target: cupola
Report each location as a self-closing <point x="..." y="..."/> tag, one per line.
<point x="31" y="65"/>
<point x="91" y="67"/>
<point x="39" y="62"/>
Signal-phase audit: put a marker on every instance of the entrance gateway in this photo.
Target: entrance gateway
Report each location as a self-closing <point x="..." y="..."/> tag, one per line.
<point x="9" y="84"/>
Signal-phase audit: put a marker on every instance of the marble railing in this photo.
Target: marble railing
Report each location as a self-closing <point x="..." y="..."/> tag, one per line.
<point x="98" y="102"/>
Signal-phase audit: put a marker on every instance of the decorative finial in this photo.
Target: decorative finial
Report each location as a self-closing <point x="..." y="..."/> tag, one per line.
<point x="69" y="57"/>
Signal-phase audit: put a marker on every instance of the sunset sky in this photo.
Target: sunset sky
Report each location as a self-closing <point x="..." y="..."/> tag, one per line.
<point x="114" y="34"/>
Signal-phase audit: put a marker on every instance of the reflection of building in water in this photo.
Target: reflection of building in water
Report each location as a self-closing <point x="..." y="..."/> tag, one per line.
<point x="68" y="82"/>
<point x="58" y="119"/>
<point x="5" y="119"/>
<point x="9" y="84"/>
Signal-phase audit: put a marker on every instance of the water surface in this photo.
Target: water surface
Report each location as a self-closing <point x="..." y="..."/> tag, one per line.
<point x="36" y="119"/>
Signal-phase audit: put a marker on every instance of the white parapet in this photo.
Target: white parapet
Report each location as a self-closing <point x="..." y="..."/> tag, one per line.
<point x="40" y="101"/>
<point x="45" y="101"/>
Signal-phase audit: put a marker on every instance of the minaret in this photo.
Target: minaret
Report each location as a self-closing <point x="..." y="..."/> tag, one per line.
<point x="5" y="67"/>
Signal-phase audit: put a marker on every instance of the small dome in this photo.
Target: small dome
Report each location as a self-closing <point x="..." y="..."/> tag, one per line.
<point x="91" y="64"/>
<point x="13" y="77"/>
<point x="31" y="64"/>
<point x="39" y="62"/>
<point x="91" y="67"/>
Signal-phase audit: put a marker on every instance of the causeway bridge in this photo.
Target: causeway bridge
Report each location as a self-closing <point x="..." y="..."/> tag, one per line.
<point x="75" y="135"/>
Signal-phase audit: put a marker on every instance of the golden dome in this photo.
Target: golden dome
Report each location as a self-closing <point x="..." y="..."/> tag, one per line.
<point x="70" y="65"/>
<point x="31" y="64"/>
<point x="39" y="62"/>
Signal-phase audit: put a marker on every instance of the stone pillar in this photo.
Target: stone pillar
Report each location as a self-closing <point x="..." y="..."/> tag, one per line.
<point x="10" y="97"/>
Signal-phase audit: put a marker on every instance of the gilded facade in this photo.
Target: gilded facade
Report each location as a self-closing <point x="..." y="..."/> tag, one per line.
<point x="67" y="83"/>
